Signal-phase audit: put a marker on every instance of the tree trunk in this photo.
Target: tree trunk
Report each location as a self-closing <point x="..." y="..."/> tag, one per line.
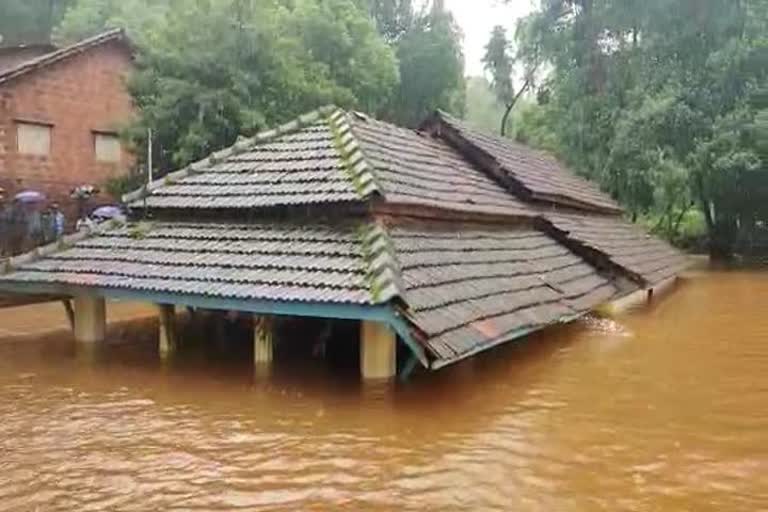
<point x="511" y="105"/>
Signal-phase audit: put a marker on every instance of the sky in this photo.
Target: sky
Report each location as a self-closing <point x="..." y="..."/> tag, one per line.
<point x="477" y="19"/>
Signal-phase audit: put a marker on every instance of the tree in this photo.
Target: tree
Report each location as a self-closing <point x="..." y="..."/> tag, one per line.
<point x="247" y="64"/>
<point x="659" y="101"/>
<point x="29" y="21"/>
<point x="394" y="18"/>
<point x="500" y="64"/>
<point x="427" y="43"/>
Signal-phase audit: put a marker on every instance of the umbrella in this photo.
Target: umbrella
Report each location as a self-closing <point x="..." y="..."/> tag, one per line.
<point x="30" y="196"/>
<point x="107" y="212"/>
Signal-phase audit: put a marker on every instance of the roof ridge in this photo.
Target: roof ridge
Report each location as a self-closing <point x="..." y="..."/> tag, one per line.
<point x="359" y="170"/>
<point x="241" y="145"/>
<point x="384" y="273"/>
<point x="62" y="53"/>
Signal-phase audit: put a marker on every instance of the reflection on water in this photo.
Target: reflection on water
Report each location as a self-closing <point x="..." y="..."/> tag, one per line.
<point x="663" y="410"/>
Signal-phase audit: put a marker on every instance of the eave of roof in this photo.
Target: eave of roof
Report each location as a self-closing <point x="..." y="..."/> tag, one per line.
<point x="456" y="291"/>
<point x="64" y="53"/>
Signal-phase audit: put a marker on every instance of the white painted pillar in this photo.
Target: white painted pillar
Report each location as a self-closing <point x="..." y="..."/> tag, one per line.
<point x="167" y="340"/>
<point x="263" y="339"/>
<point x="90" y="319"/>
<point x="378" y="351"/>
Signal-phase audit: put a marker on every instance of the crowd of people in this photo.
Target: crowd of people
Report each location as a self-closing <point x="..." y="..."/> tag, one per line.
<point x="24" y="226"/>
<point x="28" y="219"/>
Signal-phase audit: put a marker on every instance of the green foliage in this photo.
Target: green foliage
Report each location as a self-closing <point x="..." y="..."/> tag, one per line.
<point x="89" y="17"/>
<point x="431" y="62"/>
<point x="662" y="102"/>
<point x="394" y="18"/>
<point x="124" y="183"/>
<point x="29" y="21"/>
<point x="483" y="108"/>
<point x="499" y="63"/>
<point x="215" y="69"/>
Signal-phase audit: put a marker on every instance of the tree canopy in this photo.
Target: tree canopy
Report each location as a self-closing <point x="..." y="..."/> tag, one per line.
<point x="428" y="46"/>
<point x="660" y="101"/>
<point x="30" y="21"/>
<point x="212" y="69"/>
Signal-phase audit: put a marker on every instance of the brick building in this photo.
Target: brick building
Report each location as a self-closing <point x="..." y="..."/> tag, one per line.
<point x="60" y="113"/>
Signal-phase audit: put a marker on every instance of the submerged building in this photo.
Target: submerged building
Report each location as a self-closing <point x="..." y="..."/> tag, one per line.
<point x="443" y="242"/>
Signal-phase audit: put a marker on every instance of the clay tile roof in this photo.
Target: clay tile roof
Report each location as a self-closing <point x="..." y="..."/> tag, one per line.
<point x="648" y="259"/>
<point x="280" y="262"/>
<point x="47" y="59"/>
<point x="534" y="174"/>
<point x="461" y="292"/>
<point x="329" y="157"/>
<point x="473" y="289"/>
<point x="459" y="287"/>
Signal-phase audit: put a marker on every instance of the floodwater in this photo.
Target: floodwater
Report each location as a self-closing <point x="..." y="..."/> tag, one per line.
<point x="661" y="410"/>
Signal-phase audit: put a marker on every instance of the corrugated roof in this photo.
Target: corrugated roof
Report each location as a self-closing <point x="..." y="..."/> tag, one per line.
<point x="537" y="174"/>
<point x="50" y="58"/>
<point x="625" y="244"/>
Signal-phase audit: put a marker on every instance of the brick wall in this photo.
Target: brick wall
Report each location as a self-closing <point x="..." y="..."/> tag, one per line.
<point x="76" y="96"/>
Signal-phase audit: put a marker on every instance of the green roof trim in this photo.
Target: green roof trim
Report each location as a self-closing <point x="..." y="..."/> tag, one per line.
<point x="360" y="172"/>
<point x="383" y="272"/>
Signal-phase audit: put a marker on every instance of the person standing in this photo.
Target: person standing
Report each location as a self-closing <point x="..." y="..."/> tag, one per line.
<point x="5" y="226"/>
<point x="59" y="221"/>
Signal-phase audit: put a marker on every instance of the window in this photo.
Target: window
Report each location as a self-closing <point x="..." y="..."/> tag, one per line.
<point x="107" y="147"/>
<point x="33" y="138"/>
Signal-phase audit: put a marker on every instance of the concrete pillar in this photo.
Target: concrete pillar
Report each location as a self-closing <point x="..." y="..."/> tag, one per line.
<point x="378" y="351"/>
<point x="167" y="340"/>
<point x="90" y="319"/>
<point x="263" y="339"/>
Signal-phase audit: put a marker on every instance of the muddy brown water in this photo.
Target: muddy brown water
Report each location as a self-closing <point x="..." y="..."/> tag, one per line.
<point x="663" y="409"/>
